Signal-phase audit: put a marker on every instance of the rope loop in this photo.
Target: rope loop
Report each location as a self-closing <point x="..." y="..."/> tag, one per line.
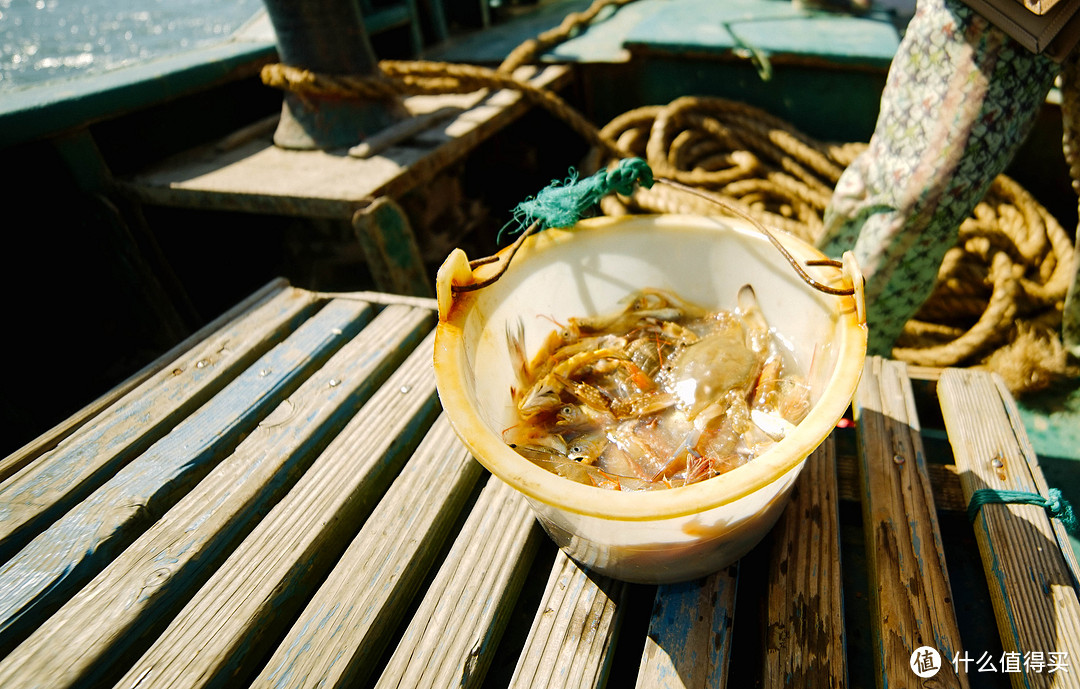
<point x="1055" y="504"/>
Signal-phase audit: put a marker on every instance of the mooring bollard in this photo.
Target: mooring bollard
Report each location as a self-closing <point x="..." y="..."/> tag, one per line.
<point x="327" y="37"/>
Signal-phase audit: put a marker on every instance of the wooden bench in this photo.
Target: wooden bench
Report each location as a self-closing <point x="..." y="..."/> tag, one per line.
<point x="278" y="502"/>
<point x="359" y="187"/>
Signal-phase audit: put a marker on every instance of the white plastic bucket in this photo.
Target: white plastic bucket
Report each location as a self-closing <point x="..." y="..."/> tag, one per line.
<point x="666" y="535"/>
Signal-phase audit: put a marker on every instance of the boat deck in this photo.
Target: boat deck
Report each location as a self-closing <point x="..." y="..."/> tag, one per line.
<point x="278" y="501"/>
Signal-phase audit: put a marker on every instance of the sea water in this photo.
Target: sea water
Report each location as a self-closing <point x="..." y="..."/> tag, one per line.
<point x="47" y="40"/>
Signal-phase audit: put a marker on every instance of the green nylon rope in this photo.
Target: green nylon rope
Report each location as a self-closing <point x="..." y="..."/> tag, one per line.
<point x="1055" y="504"/>
<point x="563" y="203"/>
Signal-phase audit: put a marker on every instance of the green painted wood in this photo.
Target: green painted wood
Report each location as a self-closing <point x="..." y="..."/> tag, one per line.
<point x="77" y="546"/>
<point x="690" y="633"/>
<point x="229" y="626"/>
<point x="773" y="28"/>
<point x="457" y="626"/>
<point x="339" y="637"/>
<point x="572" y="639"/>
<point x="156" y="574"/>
<point x="494" y="43"/>
<point x="390" y="248"/>
<point x="37" y="112"/>
<point x="57" y="480"/>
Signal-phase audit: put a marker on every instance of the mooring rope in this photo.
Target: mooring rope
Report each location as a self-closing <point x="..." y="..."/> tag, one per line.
<point x="999" y="293"/>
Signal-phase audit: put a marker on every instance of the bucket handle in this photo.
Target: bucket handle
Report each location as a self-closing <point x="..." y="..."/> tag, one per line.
<point x="579" y="195"/>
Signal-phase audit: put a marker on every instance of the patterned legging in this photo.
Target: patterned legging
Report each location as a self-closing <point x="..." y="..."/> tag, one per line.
<point x="959" y="100"/>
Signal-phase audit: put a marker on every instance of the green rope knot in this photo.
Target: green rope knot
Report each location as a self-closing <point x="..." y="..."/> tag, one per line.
<point x="563" y="204"/>
<point x="1054" y="503"/>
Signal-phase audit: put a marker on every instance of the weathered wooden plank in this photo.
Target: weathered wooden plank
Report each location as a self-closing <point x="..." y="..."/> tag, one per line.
<point x="50" y="486"/>
<point x="343" y="631"/>
<point x="229" y="624"/>
<point x="1031" y="588"/>
<point x="461" y="618"/>
<point x="805" y="639"/>
<point x="390" y="249"/>
<point x="75" y="548"/>
<point x="146" y="582"/>
<point x="51" y="438"/>
<point x="689" y="641"/>
<point x="573" y="634"/>
<point x="260" y="177"/>
<point x="910" y="605"/>
<point x="944" y="482"/>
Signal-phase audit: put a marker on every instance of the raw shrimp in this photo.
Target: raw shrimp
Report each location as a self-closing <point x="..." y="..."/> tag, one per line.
<point x="657" y="394"/>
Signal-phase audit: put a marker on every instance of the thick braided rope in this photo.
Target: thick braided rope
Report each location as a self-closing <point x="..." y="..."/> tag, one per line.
<point x="1008" y="273"/>
<point x="572" y="23"/>
<point x="398" y="78"/>
<point x="999" y="291"/>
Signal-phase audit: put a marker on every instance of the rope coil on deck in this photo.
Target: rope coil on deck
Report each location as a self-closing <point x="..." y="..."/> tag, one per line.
<point x="999" y="294"/>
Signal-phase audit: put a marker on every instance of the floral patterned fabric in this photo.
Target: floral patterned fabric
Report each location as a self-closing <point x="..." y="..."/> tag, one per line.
<point x="959" y="100"/>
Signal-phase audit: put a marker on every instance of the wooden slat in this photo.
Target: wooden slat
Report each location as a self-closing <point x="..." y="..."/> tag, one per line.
<point x="1031" y="587"/>
<point x="910" y="605"/>
<point x="60" y="478"/>
<point x="344" y="629"/>
<point x="229" y="624"/>
<point x="390" y="250"/>
<point x="805" y="639"/>
<point x="51" y="438"/>
<point x="944" y="482"/>
<point x="458" y="624"/>
<point x="153" y="576"/>
<point x="572" y="636"/>
<point x="78" y="545"/>
<point x="690" y="633"/>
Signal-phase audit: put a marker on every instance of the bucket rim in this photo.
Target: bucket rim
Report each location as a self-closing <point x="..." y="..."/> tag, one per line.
<point x="558" y="492"/>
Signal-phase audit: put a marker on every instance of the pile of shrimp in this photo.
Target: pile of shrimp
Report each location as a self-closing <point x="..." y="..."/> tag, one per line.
<point x="658" y="394"/>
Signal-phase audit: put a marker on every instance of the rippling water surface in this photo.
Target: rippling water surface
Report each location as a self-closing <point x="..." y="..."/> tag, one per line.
<point x="47" y="40"/>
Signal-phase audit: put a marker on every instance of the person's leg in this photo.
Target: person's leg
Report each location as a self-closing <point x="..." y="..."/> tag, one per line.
<point x="960" y="99"/>
<point x="1070" y="111"/>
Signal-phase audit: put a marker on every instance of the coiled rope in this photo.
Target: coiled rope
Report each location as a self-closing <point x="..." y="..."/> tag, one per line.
<point x="999" y="294"/>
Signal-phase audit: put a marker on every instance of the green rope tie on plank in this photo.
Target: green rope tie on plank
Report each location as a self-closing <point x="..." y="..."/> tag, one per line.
<point x="1055" y="504"/>
<point x="561" y="204"/>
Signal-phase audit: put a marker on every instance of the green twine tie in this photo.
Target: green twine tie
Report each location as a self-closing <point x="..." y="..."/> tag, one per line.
<point x="563" y="204"/>
<point x="1055" y="504"/>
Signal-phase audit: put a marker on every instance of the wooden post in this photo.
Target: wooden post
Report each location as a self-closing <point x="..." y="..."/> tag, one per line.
<point x="328" y="37"/>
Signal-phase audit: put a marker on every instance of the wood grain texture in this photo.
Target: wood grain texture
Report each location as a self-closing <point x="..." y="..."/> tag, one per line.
<point x="910" y="597"/>
<point x="689" y="641"/>
<point x="76" y="547"/>
<point x="92" y="632"/>
<point x="460" y="620"/>
<point x="805" y="639"/>
<point x="572" y="636"/>
<point x="227" y="627"/>
<point x="54" y="436"/>
<point x="1031" y="587"/>
<point x="944" y="482"/>
<point x="58" y="479"/>
<point x="262" y="178"/>
<point x="342" y="632"/>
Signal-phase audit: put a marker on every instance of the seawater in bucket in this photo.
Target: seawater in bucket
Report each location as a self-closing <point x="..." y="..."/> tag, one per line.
<point x="674" y="534"/>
